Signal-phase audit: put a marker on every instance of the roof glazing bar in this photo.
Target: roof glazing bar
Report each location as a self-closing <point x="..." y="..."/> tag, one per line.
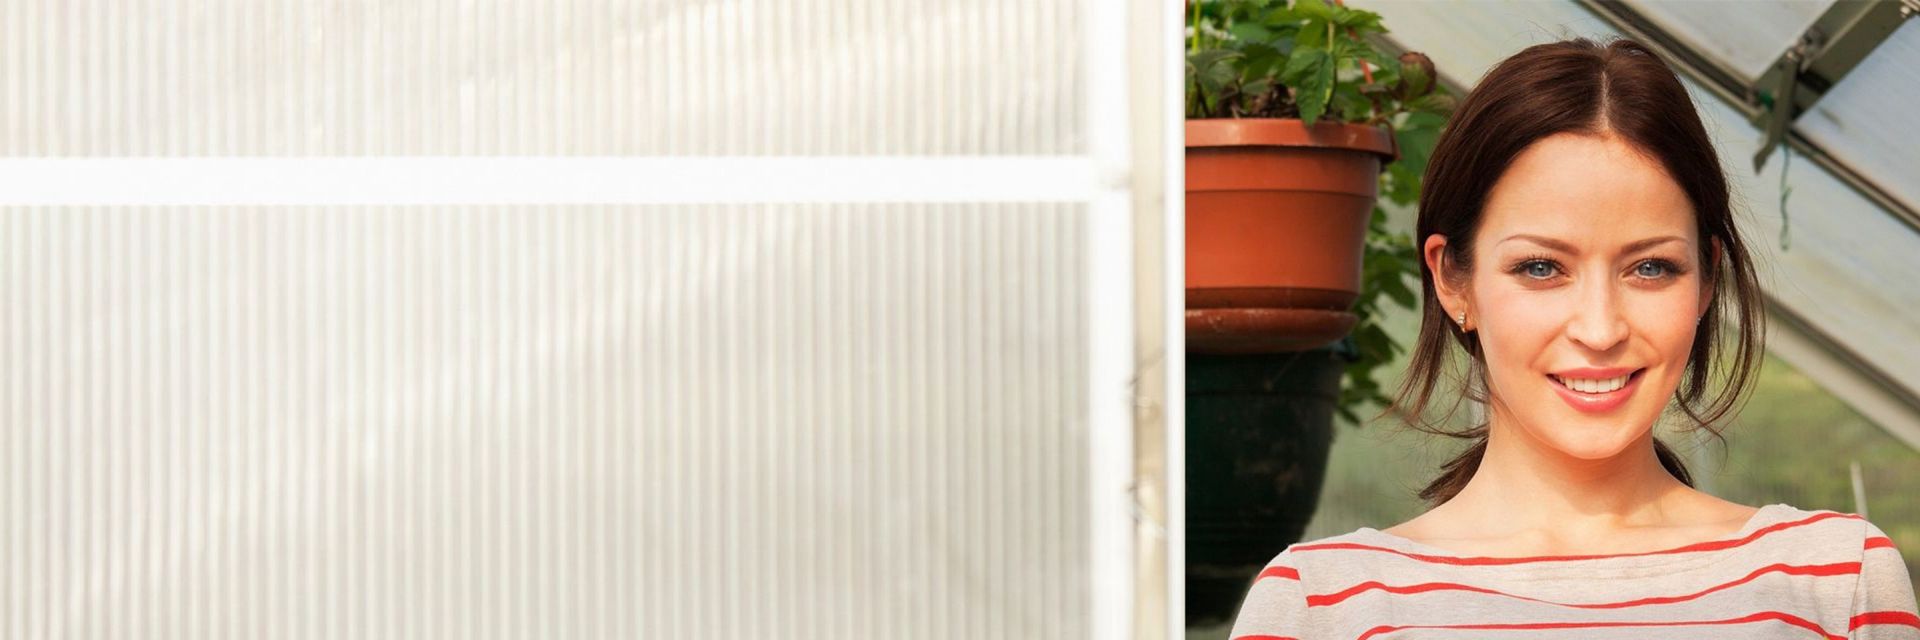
<point x="1746" y="98"/>
<point x="1836" y="42"/>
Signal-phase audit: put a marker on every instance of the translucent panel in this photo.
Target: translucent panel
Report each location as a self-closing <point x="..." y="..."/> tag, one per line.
<point x="1747" y="35"/>
<point x="632" y="422"/>
<point x="1866" y="120"/>
<point x="1499" y="28"/>
<point x="529" y="77"/>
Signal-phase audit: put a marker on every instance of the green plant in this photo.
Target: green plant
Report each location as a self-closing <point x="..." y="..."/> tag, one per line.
<point x="1308" y="60"/>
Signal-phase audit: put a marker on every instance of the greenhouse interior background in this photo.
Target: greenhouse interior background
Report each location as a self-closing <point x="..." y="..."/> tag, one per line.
<point x="751" y="318"/>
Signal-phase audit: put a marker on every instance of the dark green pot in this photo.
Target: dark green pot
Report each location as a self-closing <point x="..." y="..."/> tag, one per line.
<point x="1258" y="431"/>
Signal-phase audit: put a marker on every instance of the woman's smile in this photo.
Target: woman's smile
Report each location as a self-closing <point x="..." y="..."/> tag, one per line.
<point x="1596" y="391"/>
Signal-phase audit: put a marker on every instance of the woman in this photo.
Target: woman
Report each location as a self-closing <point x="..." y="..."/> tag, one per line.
<point x="1579" y="248"/>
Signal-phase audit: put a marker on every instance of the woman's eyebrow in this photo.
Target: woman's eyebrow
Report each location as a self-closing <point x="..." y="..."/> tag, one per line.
<point x="1565" y="247"/>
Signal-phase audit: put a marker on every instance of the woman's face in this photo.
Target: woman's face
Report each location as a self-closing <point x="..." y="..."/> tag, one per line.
<point x="1586" y="292"/>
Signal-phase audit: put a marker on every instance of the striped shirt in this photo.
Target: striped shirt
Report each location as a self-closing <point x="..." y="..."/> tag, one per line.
<point x="1787" y="573"/>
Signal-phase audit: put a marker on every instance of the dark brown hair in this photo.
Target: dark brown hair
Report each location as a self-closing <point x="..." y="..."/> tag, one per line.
<point x="1580" y="86"/>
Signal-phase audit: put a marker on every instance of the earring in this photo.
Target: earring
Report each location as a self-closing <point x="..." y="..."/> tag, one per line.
<point x="1463" y="319"/>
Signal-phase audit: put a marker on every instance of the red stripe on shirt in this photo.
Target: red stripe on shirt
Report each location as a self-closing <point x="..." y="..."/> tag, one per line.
<point x="1879" y="541"/>
<point x="1884" y="617"/>
<point x="1715" y="545"/>
<point x="1289" y="573"/>
<point x="1757" y="617"/>
<point x="1836" y="569"/>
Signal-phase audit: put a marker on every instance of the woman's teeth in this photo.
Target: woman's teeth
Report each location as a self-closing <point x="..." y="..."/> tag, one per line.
<point x="1593" y="386"/>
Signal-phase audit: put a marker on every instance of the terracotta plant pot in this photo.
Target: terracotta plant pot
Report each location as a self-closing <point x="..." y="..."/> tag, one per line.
<point x="1276" y="221"/>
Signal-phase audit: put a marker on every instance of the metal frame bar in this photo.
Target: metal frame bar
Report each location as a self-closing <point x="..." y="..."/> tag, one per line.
<point x="1830" y="48"/>
<point x="1159" y="491"/>
<point x="1744" y="97"/>
<point x="1836" y="43"/>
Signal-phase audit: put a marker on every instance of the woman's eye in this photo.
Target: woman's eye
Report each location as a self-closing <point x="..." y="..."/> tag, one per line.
<point x="1652" y="269"/>
<point x="1540" y="269"/>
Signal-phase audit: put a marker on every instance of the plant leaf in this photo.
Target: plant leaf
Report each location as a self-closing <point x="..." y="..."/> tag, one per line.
<point x="1303" y="62"/>
<point x="1261" y="60"/>
<point x="1417" y="136"/>
<point x="1350" y="103"/>
<point x="1314" y="10"/>
<point x="1437" y="102"/>
<point x="1251" y="32"/>
<point x="1210" y="78"/>
<point x="1312" y="73"/>
<point x="1210" y="68"/>
<point x="1257" y="86"/>
<point x="1380" y="62"/>
<point x="1361" y="21"/>
<point x="1312" y="35"/>
<point x="1282" y="17"/>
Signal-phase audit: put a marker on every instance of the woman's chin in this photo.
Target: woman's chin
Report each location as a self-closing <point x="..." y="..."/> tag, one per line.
<point x="1594" y="442"/>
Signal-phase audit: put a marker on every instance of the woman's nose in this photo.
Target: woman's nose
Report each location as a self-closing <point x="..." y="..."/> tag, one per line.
<point x="1598" y="322"/>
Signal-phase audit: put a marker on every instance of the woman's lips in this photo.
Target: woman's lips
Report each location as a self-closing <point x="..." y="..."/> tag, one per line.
<point x="1597" y="402"/>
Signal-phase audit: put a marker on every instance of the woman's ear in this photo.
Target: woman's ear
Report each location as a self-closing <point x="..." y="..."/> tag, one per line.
<point x="1452" y="300"/>
<point x="1709" y="276"/>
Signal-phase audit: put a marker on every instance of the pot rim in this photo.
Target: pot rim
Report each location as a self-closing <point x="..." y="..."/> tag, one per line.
<point x="1291" y="132"/>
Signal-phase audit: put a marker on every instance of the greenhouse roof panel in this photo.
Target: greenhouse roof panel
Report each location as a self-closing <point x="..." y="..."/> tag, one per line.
<point x="1746" y="36"/>
<point x="1866" y="121"/>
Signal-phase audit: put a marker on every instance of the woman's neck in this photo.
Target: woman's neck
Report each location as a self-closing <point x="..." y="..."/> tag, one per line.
<point x="1526" y="487"/>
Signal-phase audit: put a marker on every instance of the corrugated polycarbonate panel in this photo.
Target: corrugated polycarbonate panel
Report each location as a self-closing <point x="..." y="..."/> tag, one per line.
<point x="528" y="77"/>
<point x="1850" y="122"/>
<point x="1748" y="35"/>
<point x="1864" y="120"/>
<point x="580" y="422"/>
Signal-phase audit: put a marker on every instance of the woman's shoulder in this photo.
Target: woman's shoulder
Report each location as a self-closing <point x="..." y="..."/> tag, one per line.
<point x="1787" y="526"/>
<point x="1348" y="552"/>
<point x="1316" y="551"/>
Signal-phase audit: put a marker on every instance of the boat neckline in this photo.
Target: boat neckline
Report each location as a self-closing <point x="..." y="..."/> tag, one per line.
<point x="1760" y="516"/>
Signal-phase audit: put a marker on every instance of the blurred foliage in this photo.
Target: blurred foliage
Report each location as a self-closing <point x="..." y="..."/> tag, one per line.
<point x="1390" y="267"/>
<point x="1272" y="59"/>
